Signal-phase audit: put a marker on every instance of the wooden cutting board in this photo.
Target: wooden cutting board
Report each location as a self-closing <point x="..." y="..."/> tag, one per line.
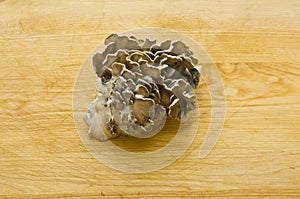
<point x="256" y="47"/>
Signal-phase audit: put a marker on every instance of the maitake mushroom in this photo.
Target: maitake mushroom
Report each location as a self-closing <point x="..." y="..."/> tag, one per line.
<point x="140" y="84"/>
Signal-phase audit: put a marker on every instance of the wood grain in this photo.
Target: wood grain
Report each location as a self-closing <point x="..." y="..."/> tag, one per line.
<point x="256" y="46"/>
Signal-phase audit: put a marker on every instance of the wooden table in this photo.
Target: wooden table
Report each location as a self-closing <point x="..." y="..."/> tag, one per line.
<point x="256" y="47"/>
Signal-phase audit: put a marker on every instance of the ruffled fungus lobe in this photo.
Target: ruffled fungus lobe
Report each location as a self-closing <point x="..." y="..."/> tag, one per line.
<point x="141" y="84"/>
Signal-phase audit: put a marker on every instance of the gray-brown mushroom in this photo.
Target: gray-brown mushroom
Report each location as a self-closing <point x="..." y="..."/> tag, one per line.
<point x="141" y="84"/>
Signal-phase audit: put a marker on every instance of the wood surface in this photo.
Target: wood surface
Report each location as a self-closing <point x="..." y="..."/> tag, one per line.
<point x="256" y="47"/>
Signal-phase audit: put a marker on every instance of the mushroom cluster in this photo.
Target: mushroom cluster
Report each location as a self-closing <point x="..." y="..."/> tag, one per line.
<point x="140" y="84"/>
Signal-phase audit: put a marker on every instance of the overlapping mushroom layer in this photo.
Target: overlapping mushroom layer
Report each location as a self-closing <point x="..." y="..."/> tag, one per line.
<point x="140" y="84"/>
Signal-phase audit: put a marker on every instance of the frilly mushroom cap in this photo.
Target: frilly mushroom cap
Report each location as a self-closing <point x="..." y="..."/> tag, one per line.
<point x="140" y="84"/>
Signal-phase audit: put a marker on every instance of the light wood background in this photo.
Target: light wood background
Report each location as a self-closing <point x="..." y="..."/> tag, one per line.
<point x="256" y="46"/>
